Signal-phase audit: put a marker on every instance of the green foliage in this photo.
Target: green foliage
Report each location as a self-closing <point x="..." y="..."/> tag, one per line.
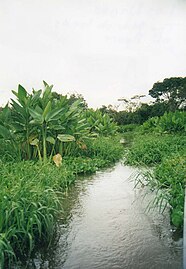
<point x="168" y="182"/>
<point x="161" y="144"/>
<point x="171" y="90"/>
<point x="173" y="122"/>
<point x="151" y="149"/>
<point x="29" y="206"/>
<point x="100" y="123"/>
<point x="32" y="193"/>
<point x="150" y="125"/>
<point x="34" y="122"/>
<point x="170" y="122"/>
<point x="128" y="128"/>
<point x="106" y="148"/>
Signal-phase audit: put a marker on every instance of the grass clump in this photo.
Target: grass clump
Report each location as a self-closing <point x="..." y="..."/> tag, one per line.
<point x="29" y="206"/>
<point x="31" y="197"/>
<point x="162" y="148"/>
<point x="152" y="149"/>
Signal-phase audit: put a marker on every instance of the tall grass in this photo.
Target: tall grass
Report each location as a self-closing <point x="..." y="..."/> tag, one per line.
<point x="29" y="206"/>
<point x="165" y="153"/>
<point x="151" y="149"/>
<point x="31" y="197"/>
<point x="167" y="180"/>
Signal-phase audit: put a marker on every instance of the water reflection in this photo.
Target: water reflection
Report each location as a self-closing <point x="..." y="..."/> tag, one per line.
<point x="105" y="226"/>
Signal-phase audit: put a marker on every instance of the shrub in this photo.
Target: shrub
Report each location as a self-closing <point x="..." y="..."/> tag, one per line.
<point x="128" y="128"/>
<point x="173" y="122"/>
<point x="151" y="149"/>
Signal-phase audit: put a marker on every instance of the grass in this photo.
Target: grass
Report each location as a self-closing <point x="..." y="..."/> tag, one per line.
<point x="166" y="156"/>
<point x="31" y="197"/>
<point x="151" y="149"/>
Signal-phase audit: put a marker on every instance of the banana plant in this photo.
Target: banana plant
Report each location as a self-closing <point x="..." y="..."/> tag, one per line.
<point x="21" y="117"/>
<point x="100" y="123"/>
<point x="41" y="124"/>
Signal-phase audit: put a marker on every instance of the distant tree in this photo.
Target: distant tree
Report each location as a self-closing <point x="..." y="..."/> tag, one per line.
<point x="72" y="98"/>
<point x="110" y="110"/>
<point x="171" y="91"/>
<point x="76" y="96"/>
<point x="133" y="103"/>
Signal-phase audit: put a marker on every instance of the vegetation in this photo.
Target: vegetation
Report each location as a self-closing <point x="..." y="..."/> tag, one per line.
<point x="172" y="91"/>
<point x="160" y="143"/>
<point x="34" y="129"/>
<point x="43" y="126"/>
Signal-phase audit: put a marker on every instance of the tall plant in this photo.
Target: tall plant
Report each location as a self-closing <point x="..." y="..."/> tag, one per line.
<point x="39" y="124"/>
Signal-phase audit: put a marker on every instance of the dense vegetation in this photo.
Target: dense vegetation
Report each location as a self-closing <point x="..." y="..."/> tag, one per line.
<point x="47" y="139"/>
<point x="161" y="144"/>
<point x="35" y="129"/>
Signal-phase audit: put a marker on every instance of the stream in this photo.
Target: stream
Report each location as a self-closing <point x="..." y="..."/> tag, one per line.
<point x="105" y="226"/>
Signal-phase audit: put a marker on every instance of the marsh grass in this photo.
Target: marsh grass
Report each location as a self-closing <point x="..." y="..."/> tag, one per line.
<point x="151" y="149"/>
<point x="30" y="205"/>
<point x="167" y="181"/>
<point x="31" y="200"/>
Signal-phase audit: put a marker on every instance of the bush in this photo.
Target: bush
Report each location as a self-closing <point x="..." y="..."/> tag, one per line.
<point x="167" y="180"/>
<point x="151" y="149"/>
<point x="128" y="128"/>
<point x="173" y="122"/>
<point x="106" y="148"/>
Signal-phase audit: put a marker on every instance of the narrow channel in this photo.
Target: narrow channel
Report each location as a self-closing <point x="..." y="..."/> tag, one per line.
<point x="106" y="227"/>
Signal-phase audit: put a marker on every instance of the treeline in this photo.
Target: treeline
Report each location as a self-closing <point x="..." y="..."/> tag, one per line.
<point x="169" y="95"/>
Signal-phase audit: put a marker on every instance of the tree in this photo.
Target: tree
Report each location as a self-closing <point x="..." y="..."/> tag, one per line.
<point x="133" y="103"/>
<point x="171" y="91"/>
<point x="76" y="96"/>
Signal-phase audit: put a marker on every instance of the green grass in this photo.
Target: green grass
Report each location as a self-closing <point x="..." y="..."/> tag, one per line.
<point x="31" y="198"/>
<point x="151" y="149"/>
<point x="166" y="155"/>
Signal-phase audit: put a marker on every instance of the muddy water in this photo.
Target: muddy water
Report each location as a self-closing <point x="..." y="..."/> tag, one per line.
<point x="106" y="227"/>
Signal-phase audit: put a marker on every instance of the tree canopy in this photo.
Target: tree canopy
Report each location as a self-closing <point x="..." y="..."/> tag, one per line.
<point x="172" y="91"/>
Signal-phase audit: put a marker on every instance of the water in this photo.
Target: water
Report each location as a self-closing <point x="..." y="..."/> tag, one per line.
<point x="106" y="227"/>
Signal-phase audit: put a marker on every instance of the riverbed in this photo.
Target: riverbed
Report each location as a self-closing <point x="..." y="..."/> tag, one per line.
<point x="105" y="225"/>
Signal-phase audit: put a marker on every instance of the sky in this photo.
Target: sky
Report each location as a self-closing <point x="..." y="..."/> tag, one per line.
<point x="102" y="49"/>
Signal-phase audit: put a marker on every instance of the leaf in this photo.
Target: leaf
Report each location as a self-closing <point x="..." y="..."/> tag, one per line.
<point x="57" y="159"/>
<point x="37" y="116"/>
<point x="54" y="114"/>
<point x="47" y="109"/>
<point x="66" y="138"/>
<point x="34" y="142"/>
<point x="50" y="139"/>
<point x="22" y="93"/>
<point x="4" y="132"/>
<point x="45" y="84"/>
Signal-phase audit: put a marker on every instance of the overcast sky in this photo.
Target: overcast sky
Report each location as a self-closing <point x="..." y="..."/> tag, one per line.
<point x="103" y="49"/>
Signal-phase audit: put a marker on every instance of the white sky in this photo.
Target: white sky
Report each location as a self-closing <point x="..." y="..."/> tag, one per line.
<point x="103" y="49"/>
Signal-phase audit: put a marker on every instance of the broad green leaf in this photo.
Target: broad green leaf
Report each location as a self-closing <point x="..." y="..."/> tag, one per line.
<point x="22" y="93"/>
<point x="50" y="139"/>
<point x="15" y="93"/>
<point x="37" y="116"/>
<point x="47" y="109"/>
<point x="54" y="114"/>
<point x="34" y="142"/>
<point x="66" y="137"/>
<point x="4" y="132"/>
